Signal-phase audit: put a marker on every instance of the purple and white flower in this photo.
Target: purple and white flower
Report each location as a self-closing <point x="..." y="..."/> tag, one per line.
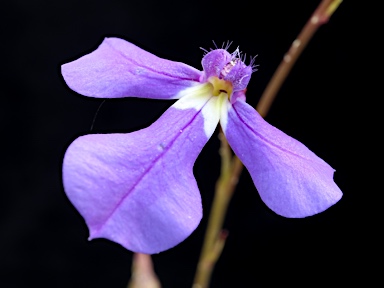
<point x="138" y="189"/>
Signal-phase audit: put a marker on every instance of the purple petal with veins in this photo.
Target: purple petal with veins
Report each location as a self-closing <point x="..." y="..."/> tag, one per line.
<point x="291" y="179"/>
<point x="118" y="68"/>
<point x="138" y="189"/>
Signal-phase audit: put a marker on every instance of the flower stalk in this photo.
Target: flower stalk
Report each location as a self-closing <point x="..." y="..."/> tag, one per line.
<point x="231" y="166"/>
<point x="143" y="275"/>
<point x="215" y="237"/>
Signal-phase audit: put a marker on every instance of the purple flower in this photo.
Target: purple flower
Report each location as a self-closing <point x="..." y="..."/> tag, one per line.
<point x="138" y="189"/>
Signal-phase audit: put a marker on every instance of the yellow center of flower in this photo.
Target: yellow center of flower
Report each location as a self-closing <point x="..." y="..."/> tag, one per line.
<point x="220" y="86"/>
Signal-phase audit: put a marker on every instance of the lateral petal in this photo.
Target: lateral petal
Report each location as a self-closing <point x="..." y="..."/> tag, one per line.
<point x="291" y="180"/>
<point x="118" y="68"/>
<point x="138" y="189"/>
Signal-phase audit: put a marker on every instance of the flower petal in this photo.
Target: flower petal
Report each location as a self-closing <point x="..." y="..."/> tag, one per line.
<point x="118" y="68"/>
<point x="138" y="189"/>
<point x="291" y="179"/>
<point x="214" y="62"/>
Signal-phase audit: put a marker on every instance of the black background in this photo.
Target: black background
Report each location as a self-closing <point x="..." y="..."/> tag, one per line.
<point x="44" y="240"/>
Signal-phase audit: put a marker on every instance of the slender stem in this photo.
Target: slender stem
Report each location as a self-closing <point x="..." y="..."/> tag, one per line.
<point x="319" y="17"/>
<point x="214" y="237"/>
<point x="231" y="166"/>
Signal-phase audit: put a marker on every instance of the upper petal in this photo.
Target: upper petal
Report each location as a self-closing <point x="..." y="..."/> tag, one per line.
<point x="214" y="62"/>
<point x="291" y="179"/>
<point x="118" y="68"/>
<point x="138" y="189"/>
<point x="230" y="67"/>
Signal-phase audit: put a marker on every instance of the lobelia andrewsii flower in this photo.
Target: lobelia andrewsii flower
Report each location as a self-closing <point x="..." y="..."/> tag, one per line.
<point x="138" y="189"/>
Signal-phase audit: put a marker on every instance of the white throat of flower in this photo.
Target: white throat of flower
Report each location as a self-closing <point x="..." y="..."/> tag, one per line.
<point x="208" y="98"/>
